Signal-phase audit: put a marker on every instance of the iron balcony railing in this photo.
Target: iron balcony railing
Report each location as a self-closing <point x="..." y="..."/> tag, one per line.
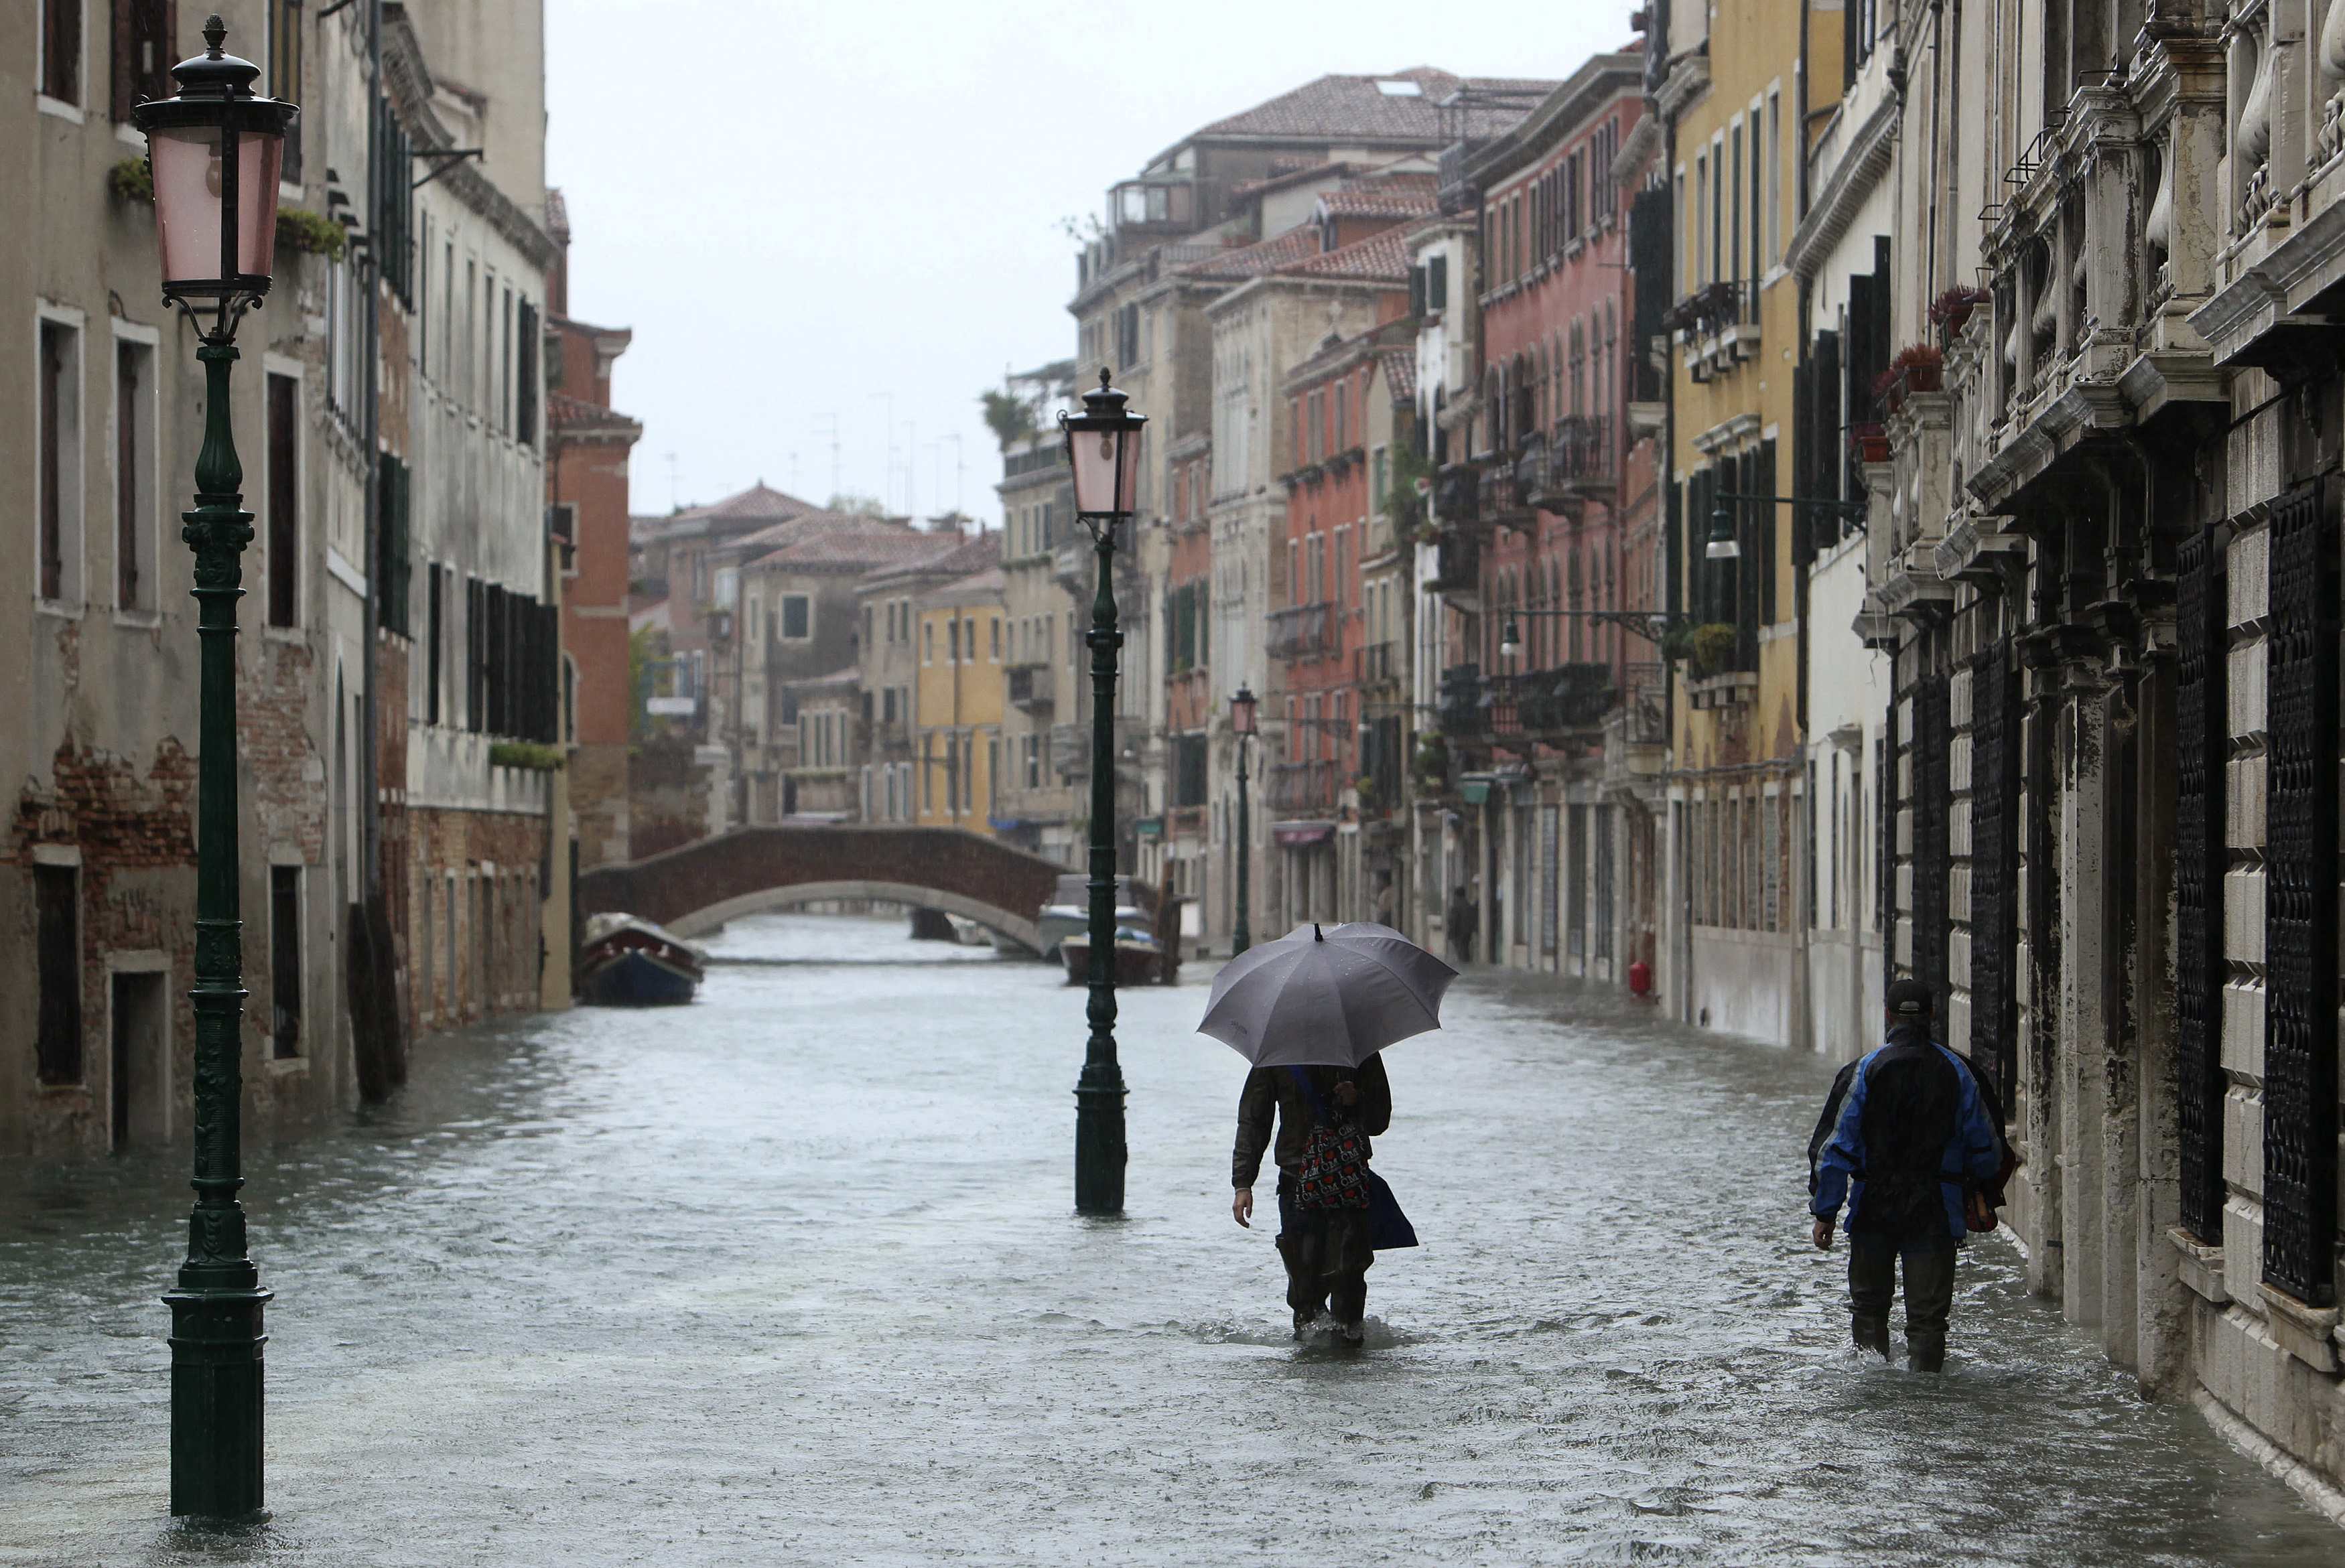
<point x="1569" y="700"/>
<point x="1580" y="455"/>
<point x="1304" y="632"/>
<point x="1303" y="787"/>
<point x="1377" y="664"/>
<point x="1458" y="559"/>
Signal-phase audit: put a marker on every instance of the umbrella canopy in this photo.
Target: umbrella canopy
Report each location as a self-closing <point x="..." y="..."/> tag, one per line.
<point x="1325" y="997"/>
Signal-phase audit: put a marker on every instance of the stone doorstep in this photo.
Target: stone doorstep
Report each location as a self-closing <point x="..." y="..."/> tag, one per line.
<point x="2201" y="1266"/>
<point x="2308" y="1333"/>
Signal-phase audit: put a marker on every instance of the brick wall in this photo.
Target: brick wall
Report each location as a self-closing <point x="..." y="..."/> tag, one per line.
<point x="491" y="860"/>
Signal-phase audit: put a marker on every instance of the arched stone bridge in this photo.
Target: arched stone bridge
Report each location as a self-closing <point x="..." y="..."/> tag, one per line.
<point x="696" y="887"/>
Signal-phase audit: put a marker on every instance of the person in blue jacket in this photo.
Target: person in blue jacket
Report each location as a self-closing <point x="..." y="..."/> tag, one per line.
<point x="1914" y="1140"/>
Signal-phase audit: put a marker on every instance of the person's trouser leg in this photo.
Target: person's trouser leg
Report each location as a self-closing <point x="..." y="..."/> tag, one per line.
<point x="1347" y="1298"/>
<point x="1306" y="1288"/>
<point x="1929" y="1299"/>
<point x="1871" y="1284"/>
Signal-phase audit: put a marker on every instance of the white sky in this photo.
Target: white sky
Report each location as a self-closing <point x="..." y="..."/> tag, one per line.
<point x="805" y="208"/>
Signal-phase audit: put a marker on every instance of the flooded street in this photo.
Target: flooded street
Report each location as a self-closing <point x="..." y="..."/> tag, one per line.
<point x="793" y="1278"/>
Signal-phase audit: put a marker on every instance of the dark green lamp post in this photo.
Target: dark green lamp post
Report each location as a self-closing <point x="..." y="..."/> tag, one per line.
<point x="214" y="150"/>
<point x="1242" y="722"/>
<point x="1103" y="447"/>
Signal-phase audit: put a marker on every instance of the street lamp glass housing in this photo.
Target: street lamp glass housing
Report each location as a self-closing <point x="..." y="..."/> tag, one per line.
<point x="1722" y="544"/>
<point x="215" y="150"/>
<point x="1103" y="447"/>
<point x="1510" y="642"/>
<point x="1242" y="711"/>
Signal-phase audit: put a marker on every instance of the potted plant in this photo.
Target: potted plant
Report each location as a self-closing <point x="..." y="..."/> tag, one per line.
<point x="1950" y="312"/>
<point x="1713" y="651"/>
<point x="1868" y="443"/>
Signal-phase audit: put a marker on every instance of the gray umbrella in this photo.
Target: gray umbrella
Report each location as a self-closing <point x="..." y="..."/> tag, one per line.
<point x="1331" y="997"/>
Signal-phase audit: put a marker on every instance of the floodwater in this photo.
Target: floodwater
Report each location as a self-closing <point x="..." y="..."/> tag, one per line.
<point x="792" y="1278"/>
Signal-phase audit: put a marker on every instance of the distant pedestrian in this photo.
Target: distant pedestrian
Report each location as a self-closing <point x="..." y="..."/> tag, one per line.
<point x="1385" y="899"/>
<point x="1913" y="1143"/>
<point x="1327" y="1239"/>
<point x="1463" y="920"/>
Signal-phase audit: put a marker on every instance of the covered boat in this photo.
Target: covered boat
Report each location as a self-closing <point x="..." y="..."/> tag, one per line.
<point x="1068" y="913"/>
<point x="630" y="963"/>
<point x="1138" y="957"/>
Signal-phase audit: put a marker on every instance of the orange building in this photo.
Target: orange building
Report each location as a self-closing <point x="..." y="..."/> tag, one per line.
<point x="589" y="447"/>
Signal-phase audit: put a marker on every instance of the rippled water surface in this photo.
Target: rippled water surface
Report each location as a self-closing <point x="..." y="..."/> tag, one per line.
<point x="791" y="1278"/>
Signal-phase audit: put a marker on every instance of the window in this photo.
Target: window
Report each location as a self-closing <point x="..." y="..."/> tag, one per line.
<point x="134" y="475"/>
<point x="1034" y="761"/>
<point x="57" y="898"/>
<point x="142" y="52"/>
<point x="285" y="77"/>
<point x="797" y="615"/>
<point x="285" y="960"/>
<point x="525" y="393"/>
<point x="1757" y="186"/>
<point x="1718" y="255"/>
<point x="1342" y="421"/>
<point x="394" y="548"/>
<point x="1379" y="477"/>
<point x="61" y="63"/>
<point x="505" y="363"/>
<point x="436" y="624"/>
<point x="1734" y="207"/>
<point x="993" y="625"/>
<point x="1774" y="177"/>
<point x="927" y="642"/>
<point x="60" y="476"/>
<point x="952" y="640"/>
<point x="283" y="410"/>
<point x="1701" y="217"/>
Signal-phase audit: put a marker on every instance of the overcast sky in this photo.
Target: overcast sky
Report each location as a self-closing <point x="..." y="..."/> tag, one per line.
<point x="807" y="207"/>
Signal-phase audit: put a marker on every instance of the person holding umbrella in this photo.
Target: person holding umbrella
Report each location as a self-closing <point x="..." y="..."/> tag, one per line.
<point x="1311" y="1012"/>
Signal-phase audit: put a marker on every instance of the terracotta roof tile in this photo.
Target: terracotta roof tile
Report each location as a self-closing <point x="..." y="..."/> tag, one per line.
<point x="1399" y="366"/>
<point x="1405" y="195"/>
<point x="564" y="412"/>
<point x="1379" y="259"/>
<point x="1358" y="108"/>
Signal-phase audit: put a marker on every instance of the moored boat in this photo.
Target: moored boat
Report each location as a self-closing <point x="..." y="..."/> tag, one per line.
<point x="630" y="963"/>
<point x="1138" y="957"/>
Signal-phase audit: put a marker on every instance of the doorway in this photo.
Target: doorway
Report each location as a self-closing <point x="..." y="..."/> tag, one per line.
<point x="140" y="1074"/>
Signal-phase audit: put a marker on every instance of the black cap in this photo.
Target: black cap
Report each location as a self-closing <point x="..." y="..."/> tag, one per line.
<point x="1909" y="999"/>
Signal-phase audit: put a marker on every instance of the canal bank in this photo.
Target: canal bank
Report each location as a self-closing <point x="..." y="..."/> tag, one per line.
<point x="792" y="1278"/>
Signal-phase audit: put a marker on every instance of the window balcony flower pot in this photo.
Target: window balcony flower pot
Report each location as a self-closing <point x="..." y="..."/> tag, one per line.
<point x="1869" y="443"/>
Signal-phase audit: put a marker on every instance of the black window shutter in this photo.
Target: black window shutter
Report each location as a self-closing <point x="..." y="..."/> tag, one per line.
<point x="1764" y="567"/>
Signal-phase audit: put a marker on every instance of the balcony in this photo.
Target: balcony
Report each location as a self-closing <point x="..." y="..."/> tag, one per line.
<point x="1581" y="459"/>
<point x="1456" y="493"/>
<point x="1032" y="687"/>
<point x="1566" y="704"/>
<point x="1070" y="751"/>
<point x="1378" y="664"/>
<point x="1072" y="563"/>
<point x="1300" y="787"/>
<point x="1501" y="497"/>
<point x="1643" y="714"/>
<point x="1454" y="189"/>
<point x="1458" y="561"/>
<point x="1719" y="326"/>
<point x="1304" y="632"/>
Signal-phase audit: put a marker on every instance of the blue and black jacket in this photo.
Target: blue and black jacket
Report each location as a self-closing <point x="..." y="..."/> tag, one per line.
<point x="1908" y="1134"/>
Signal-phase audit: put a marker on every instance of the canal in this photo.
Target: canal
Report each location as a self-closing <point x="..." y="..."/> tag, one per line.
<point x="792" y="1278"/>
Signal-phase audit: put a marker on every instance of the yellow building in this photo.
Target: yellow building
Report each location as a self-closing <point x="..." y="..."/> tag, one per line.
<point x="958" y="701"/>
<point x="1733" y="100"/>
